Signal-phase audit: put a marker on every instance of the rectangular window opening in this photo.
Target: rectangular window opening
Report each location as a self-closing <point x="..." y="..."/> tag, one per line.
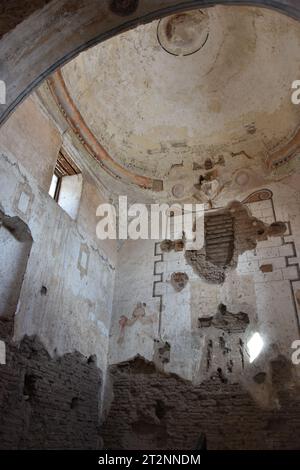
<point x="66" y="184"/>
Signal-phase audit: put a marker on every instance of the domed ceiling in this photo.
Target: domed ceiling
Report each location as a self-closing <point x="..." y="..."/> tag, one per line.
<point x="203" y="92"/>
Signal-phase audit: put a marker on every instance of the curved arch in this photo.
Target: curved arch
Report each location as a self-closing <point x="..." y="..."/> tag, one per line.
<point x="38" y="44"/>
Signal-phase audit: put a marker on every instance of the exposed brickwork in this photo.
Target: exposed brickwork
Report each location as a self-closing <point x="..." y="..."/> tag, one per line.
<point x="48" y="403"/>
<point x="226" y="321"/>
<point x="219" y="238"/>
<point x="6" y="328"/>
<point x="229" y="233"/>
<point x="154" y="411"/>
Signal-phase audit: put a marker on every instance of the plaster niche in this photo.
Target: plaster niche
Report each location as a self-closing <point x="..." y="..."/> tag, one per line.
<point x="184" y="34"/>
<point x="179" y="281"/>
<point x="168" y="245"/>
<point x="162" y="353"/>
<point x="16" y="243"/>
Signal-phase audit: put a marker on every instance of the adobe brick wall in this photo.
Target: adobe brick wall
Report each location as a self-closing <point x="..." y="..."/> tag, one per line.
<point x="153" y="411"/>
<point x="48" y="403"/>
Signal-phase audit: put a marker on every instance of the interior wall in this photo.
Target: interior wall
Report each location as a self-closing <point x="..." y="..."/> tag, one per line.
<point x="67" y="293"/>
<point x="264" y="286"/>
<point x="175" y="377"/>
<point x="56" y="286"/>
<point x="14" y="254"/>
<point x="91" y="198"/>
<point x="134" y="285"/>
<point x="33" y="140"/>
<point x="66" y="296"/>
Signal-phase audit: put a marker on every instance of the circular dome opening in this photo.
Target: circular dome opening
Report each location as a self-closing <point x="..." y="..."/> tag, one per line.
<point x="184" y="33"/>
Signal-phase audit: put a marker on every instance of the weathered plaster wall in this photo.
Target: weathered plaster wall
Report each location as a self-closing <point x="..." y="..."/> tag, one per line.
<point x="14" y="253"/>
<point x="216" y="391"/>
<point x="56" y="284"/>
<point x="67" y="290"/>
<point x="32" y="138"/>
<point x="134" y="285"/>
<point x="91" y="198"/>
<point x="197" y="351"/>
<point x="17" y="11"/>
<point x="66" y="296"/>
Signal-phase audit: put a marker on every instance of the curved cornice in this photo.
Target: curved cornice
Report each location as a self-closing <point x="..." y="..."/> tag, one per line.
<point x="77" y="123"/>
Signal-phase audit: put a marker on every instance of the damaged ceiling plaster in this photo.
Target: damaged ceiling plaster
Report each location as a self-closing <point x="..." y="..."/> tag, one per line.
<point x="201" y="127"/>
<point x="185" y="33"/>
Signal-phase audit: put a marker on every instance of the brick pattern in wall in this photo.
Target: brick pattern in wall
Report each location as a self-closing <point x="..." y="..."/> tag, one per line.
<point x="156" y="411"/>
<point x="219" y="238"/>
<point x="48" y="403"/>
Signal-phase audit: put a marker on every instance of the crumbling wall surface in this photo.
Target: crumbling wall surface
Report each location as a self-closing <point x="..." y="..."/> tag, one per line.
<point x="48" y="403"/>
<point x="262" y="287"/>
<point x="152" y="410"/>
<point x="228" y="234"/>
<point x="66" y="295"/>
<point x="33" y="137"/>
